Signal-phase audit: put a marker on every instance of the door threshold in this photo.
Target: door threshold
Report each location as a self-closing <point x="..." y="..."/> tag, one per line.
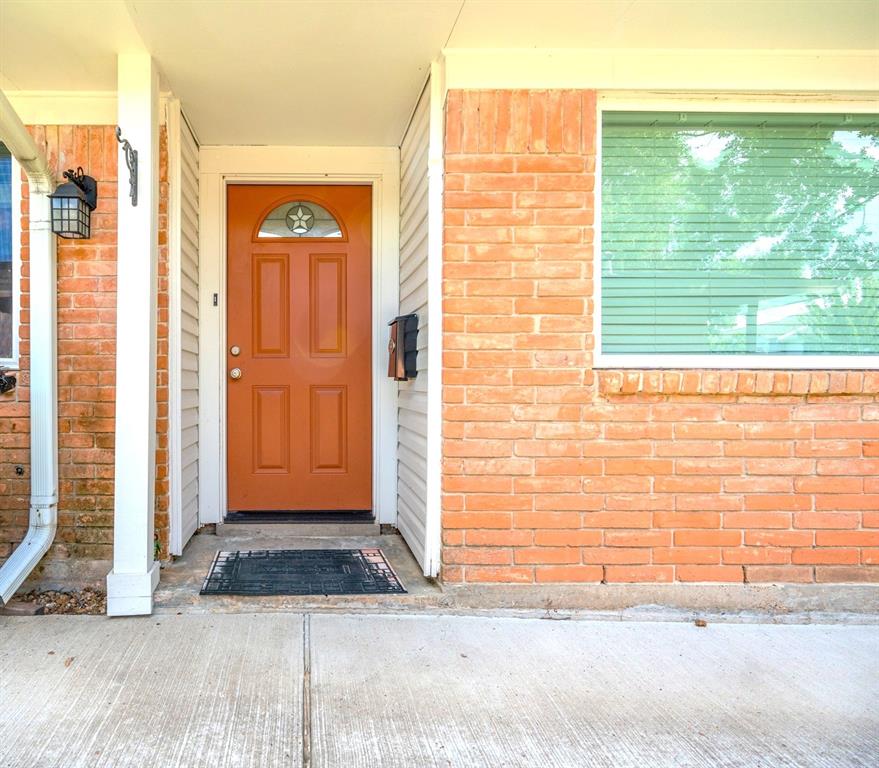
<point x="307" y="517"/>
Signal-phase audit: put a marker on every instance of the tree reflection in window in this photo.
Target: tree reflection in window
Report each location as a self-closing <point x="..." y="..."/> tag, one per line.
<point x="750" y="234"/>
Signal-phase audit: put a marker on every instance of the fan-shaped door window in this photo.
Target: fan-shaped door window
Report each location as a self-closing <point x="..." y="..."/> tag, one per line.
<point x="300" y="219"/>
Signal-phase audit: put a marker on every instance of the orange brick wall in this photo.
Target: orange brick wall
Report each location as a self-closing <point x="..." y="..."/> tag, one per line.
<point x="556" y="472"/>
<point x="86" y="365"/>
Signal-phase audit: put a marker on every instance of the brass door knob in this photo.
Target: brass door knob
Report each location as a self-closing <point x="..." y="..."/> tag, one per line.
<point x="235" y="373"/>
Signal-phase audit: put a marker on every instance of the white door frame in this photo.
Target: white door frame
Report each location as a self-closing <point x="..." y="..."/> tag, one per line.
<point x="222" y="166"/>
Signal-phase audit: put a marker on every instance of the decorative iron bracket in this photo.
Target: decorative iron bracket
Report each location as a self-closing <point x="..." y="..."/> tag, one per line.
<point x="131" y="162"/>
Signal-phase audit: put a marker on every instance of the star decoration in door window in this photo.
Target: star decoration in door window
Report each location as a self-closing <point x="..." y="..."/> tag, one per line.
<point x="294" y="219"/>
<point x="300" y="219"/>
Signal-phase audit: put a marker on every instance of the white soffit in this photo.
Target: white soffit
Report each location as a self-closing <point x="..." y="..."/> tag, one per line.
<point x="63" y="46"/>
<point x="651" y="24"/>
<point x="699" y="45"/>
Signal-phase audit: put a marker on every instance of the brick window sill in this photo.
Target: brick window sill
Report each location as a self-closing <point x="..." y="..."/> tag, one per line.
<point x="726" y="382"/>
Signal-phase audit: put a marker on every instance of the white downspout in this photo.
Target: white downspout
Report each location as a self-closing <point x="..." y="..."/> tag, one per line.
<point x="43" y="357"/>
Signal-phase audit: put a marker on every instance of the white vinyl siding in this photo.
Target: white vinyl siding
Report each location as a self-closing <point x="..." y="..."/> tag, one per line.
<point x="739" y="236"/>
<point x="183" y="303"/>
<point x="412" y="395"/>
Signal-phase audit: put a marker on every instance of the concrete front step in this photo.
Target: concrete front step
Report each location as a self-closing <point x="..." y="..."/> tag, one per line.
<point x="295" y="530"/>
<point x="178" y="589"/>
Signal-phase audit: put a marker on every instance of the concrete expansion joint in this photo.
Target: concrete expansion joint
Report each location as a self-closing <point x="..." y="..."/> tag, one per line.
<point x="306" y="691"/>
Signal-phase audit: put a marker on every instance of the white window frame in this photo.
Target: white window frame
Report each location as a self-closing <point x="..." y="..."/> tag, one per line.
<point x="15" y="197"/>
<point x="739" y="103"/>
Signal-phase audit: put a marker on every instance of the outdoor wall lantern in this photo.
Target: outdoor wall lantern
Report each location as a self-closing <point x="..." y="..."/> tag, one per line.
<point x="72" y="205"/>
<point x="7" y="382"/>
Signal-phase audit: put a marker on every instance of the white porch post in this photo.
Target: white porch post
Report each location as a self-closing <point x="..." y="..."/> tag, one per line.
<point x="135" y="574"/>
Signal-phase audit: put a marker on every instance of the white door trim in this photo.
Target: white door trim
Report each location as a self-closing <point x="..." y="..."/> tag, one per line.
<point x="221" y="166"/>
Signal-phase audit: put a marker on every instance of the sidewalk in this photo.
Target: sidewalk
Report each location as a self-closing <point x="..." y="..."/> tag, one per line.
<point x="423" y="691"/>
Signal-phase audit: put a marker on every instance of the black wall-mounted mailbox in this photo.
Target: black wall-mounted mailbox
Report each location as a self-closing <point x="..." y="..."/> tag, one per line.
<point x="403" y="348"/>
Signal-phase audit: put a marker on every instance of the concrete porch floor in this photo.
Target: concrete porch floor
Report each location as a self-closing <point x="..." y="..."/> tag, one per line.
<point x="291" y="689"/>
<point x="181" y="580"/>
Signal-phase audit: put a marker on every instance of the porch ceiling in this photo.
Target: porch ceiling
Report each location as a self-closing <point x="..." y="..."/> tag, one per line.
<point x="348" y="72"/>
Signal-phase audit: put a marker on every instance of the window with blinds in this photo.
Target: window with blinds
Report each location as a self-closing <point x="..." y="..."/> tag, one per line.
<point x="741" y="234"/>
<point x="7" y="261"/>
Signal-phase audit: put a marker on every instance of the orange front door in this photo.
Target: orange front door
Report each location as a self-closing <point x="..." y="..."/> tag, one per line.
<point x="298" y="355"/>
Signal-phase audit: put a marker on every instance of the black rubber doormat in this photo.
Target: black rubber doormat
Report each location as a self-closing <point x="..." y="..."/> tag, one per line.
<point x="301" y="572"/>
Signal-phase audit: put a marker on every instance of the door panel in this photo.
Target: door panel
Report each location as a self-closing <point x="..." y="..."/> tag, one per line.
<point x="299" y="418"/>
<point x="329" y="429"/>
<point x="271" y="305"/>
<point x="328" y="304"/>
<point x="271" y="429"/>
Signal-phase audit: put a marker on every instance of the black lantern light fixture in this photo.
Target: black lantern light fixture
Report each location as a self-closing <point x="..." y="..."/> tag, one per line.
<point x="72" y="205"/>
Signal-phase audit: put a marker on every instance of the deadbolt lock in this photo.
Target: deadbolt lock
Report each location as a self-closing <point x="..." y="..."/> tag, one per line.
<point x="235" y="351"/>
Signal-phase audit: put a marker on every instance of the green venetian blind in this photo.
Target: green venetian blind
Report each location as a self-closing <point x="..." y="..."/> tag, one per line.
<point x="739" y="233"/>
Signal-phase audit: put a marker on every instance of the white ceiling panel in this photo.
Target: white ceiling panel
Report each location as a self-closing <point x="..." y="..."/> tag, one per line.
<point x="296" y="72"/>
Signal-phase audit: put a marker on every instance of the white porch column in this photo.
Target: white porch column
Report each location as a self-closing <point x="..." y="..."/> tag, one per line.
<point x="135" y="574"/>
